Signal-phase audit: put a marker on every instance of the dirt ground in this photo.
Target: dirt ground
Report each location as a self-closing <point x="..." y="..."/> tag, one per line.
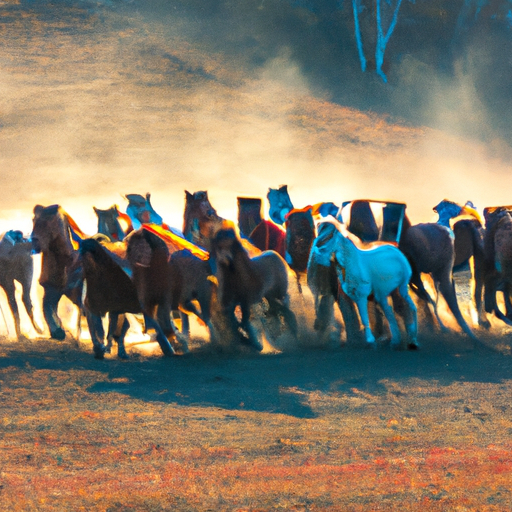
<point x="306" y="428"/>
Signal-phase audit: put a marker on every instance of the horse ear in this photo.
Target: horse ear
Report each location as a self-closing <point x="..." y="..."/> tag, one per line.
<point x="95" y="210"/>
<point x="148" y="197"/>
<point x="38" y="210"/>
<point x="188" y="195"/>
<point x="283" y="188"/>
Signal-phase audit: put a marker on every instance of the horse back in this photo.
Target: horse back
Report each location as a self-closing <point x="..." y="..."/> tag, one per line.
<point x="273" y="272"/>
<point x="267" y="235"/>
<point x="429" y="245"/>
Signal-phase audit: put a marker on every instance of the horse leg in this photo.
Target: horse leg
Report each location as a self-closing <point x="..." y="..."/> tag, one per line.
<point x="245" y="324"/>
<point x="162" y="340"/>
<point x="390" y="317"/>
<point x="51" y="300"/>
<point x="324" y="314"/>
<point x="27" y="301"/>
<point x="276" y="307"/>
<point x="97" y="333"/>
<point x="113" y="319"/>
<point x="349" y="314"/>
<point x="410" y="317"/>
<point x="119" y="336"/>
<point x="362" y="307"/>
<point x="477" y="286"/>
<point x="185" y="324"/>
<point x="418" y="288"/>
<point x="447" y="289"/>
<point x="10" y="291"/>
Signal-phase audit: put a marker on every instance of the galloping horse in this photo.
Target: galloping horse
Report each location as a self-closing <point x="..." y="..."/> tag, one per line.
<point x="429" y="247"/>
<point x="379" y="270"/>
<point x="323" y="282"/>
<point x="300" y="234"/>
<point x="53" y="235"/>
<point x="498" y="255"/>
<point x="200" y="220"/>
<point x="469" y="247"/>
<point x="244" y="281"/>
<point x="16" y="265"/>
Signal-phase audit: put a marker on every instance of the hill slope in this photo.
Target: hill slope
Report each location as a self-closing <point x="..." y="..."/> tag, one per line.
<point x="100" y="101"/>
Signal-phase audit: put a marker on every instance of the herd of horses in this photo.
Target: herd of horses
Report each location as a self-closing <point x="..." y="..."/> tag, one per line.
<point x="363" y="256"/>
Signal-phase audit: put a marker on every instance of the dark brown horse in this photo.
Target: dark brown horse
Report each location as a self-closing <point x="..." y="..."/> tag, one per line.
<point x="468" y="231"/>
<point x="200" y="220"/>
<point x="244" y="281"/>
<point x="116" y="284"/>
<point x="430" y="249"/>
<point x="262" y="233"/>
<point x="190" y="287"/>
<point x="16" y="264"/>
<point x="498" y="258"/>
<point x="112" y="223"/>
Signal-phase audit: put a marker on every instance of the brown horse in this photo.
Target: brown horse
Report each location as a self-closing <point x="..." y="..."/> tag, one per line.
<point x="200" y="220"/>
<point x="53" y="235"/>
<point x="468" y="231"/>
<point x="190" y="286"/>
<point x="262" y="233"/>
<point x="16" y="264"/>
<point x="429" y="247"/>
<point x="244" y="281"/>
<point x="112" y="223"/>
<point x="498" y="258"/>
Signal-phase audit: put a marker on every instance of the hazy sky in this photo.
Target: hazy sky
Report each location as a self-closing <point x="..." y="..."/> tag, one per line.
<point x="95" y="107"/>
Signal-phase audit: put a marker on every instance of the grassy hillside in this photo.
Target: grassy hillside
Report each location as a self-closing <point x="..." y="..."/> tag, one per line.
<point x="103" y="100"/>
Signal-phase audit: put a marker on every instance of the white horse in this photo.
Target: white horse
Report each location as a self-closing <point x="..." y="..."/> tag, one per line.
<point x="378" y="268"/>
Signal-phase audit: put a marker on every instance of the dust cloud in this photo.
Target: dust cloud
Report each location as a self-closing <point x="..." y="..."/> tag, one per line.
<point x="96" y="106"/>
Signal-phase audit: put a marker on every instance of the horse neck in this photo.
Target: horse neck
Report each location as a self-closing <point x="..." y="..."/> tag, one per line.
<point x="351" y="257"/>
<point x="61" y="246"/>
<point x="444" y="219"/>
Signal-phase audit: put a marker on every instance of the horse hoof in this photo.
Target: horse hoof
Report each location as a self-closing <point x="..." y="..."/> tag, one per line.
<point x="99" y="352"/>
<point x="124" y="356"/>
<point x="255" y="344"/>
<point x="372" y="345"/>
<point x="413" y="346"/>
<point x="59" y="334"/>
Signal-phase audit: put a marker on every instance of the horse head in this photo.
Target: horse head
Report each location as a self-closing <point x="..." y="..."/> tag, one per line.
<point x="200" y="219"/>
<point x="279" y="204"/>
<point x="300" y="233"/>
<point x="225" y="246"/>
<point x="109" y="225"/>
<point x="249" y="214"/>
<point x="140" y="211"/>
<point x="48" y="225"/>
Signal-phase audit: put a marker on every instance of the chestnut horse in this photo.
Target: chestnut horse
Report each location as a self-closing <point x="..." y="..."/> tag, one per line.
<point x="16" y="265"/>
<point x="54" y="234"/>
<point x="244" y="281"/>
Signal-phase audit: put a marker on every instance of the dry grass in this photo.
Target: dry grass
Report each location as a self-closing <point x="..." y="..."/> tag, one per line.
<point x="309" y="429"/>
